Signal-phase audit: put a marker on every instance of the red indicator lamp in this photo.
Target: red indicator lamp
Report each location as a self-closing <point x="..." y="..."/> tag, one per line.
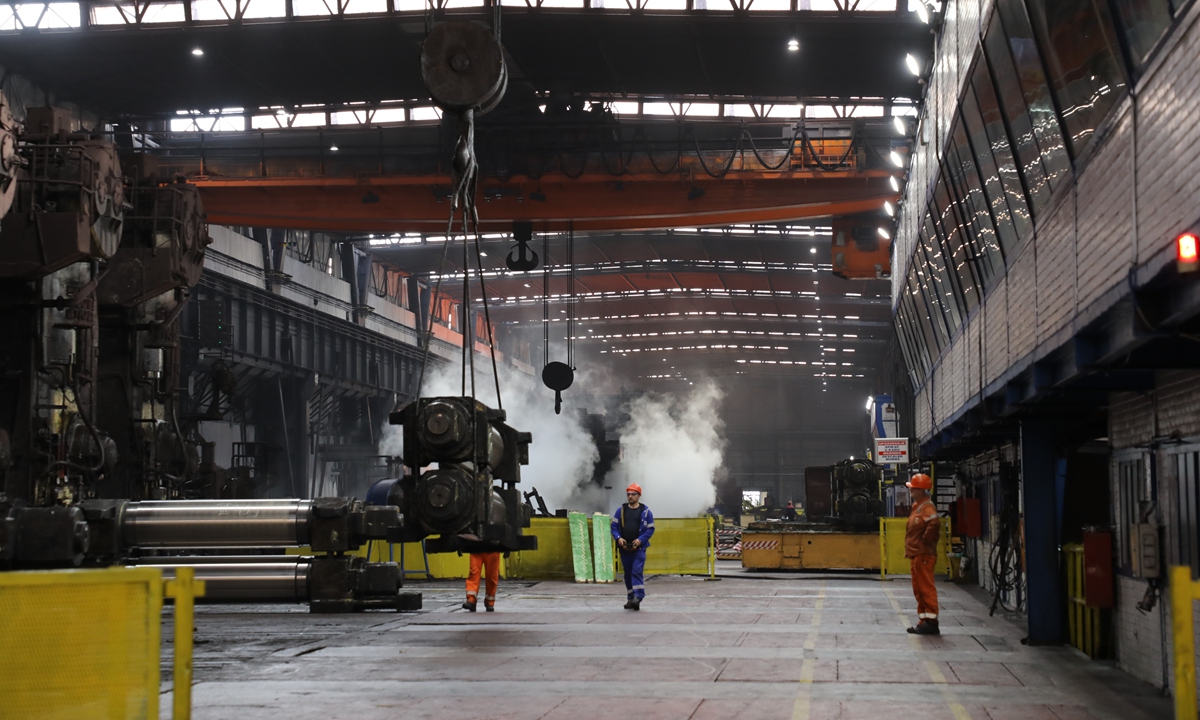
<point x="1187" y="247"/>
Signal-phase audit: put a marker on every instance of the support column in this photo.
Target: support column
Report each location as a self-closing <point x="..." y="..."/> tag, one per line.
<point x="1039" y="497"/>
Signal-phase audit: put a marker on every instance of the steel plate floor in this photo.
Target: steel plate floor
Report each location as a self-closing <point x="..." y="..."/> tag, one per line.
<point x="760" y="648"/>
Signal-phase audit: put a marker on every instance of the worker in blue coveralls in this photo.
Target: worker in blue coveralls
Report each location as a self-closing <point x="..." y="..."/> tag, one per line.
<point x="632" y="526"/>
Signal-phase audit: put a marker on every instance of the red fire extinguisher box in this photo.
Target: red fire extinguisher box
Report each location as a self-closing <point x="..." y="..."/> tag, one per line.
<point x="1098" y="568"/>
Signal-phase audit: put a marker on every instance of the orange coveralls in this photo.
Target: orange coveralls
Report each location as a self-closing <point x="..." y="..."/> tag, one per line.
<point x="920" y="545"/>
<point x="480" y="561"/>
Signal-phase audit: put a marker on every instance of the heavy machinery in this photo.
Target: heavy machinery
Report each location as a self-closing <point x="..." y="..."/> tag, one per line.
<point x="840" y="531"/>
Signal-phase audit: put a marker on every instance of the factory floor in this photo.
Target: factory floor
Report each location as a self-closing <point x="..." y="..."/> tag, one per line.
<point x="744" y="646"/>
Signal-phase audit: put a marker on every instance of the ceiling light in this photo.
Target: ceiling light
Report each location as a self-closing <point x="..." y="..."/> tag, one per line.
<point x="333" y="148"/>
<point x="899" y="123"/>
<point x="913" y="67"/>
<point x="526" y="284"/>
<point x="482" y="254"/>
<point x="794" y="45"/>
<point x="923" y="12"/>
<point x="894" y="183"/>
<point x="812" y="250"/>
<point x="197" y="52"/>
<point x="896" y="159"/>
<point x="887" y="208"/>
<point x="884" y="234"/>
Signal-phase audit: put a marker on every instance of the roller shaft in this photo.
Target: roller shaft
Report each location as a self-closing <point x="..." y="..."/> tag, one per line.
<point x="247" y="582"/>
<point x="216" y="523"/>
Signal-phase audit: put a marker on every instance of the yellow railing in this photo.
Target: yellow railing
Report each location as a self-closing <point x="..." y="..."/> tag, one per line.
<point x="84" y="644"/>
<point x="891" y="548"/>
<point x="1084" y="623"/>
<point x="1184" y="591"/>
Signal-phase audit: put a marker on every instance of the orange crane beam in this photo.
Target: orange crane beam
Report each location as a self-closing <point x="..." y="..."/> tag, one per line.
<point x="387" y="204"/>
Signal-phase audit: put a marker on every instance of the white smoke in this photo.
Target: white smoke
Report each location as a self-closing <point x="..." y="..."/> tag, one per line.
<point x="672" y="446"/>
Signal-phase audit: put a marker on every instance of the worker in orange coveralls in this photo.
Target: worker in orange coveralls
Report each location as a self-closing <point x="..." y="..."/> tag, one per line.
<point x="920" y="545"/>
<point x="481" y="561"/>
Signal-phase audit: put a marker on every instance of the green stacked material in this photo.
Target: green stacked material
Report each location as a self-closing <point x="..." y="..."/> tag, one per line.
<point x="602" y="547"/>
<point x="581" y="547"/>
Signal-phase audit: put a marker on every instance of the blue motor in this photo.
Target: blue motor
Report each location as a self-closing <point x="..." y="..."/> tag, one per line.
<point x="386" y="492"/>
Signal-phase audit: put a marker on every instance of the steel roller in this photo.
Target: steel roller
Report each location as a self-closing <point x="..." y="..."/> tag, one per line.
<point x="283" y="581"/>
<point x="216" y="523"/>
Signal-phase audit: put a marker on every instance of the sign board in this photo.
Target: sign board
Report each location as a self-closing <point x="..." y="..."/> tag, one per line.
<point x="891" y="451"/>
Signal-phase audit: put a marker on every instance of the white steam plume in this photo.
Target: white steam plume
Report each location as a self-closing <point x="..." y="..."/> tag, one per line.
<point x="672" y="447"/>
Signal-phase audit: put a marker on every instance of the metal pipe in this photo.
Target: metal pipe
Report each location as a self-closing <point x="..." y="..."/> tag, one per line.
<point x="216" y="523"/>
<point x="248" y="582"/>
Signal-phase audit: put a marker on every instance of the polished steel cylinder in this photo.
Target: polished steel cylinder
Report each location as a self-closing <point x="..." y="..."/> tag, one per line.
<point x="285" y="581"/>
<point x="216" y="523"/>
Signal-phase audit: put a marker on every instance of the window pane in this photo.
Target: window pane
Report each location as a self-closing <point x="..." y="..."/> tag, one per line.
<point x="1080" y="50"/>
<point x="961" y="263"/>
<point x="1006" y="231"/>
<point x="924" y="352"/>
<point x="976" y="201"/>
<point x="997" y="138"/>
<point x="969" y="229"/>
<point x="1012" y="103"/>
<point x="1144" y="22"/>
<point x="910" y="360"/>
<point x="942" y="294"/>
<point x="930" y="323"/>
<point x="1037" y="95"/>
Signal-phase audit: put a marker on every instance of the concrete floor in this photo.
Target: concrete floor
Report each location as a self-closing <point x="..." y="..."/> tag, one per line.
<point x="819" y="647"/>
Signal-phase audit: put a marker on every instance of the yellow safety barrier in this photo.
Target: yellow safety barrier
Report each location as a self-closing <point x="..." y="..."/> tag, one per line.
<point x="1085" y="622"/>
<point x="1184" y="591"/>
<point x="891" y="548"/>
<point x="78" y="644"/>
<point x="681" y="546"/>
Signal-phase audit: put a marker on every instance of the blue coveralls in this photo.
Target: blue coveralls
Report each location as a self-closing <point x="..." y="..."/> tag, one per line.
<point x="634" y="561"/>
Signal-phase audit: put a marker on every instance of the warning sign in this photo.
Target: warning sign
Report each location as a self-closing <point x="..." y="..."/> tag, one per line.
<point x="891" y="451"/>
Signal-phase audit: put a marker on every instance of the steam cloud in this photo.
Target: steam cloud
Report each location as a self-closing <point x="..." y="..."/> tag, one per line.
<point x="671" y="444"/>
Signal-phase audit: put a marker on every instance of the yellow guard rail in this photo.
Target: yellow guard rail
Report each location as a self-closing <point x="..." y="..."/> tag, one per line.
<point x="83" y="644"/>
<point x="1184" y="591"/>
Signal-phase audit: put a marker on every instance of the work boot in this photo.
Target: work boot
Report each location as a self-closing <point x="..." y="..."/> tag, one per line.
<point x="490" y="608"/>
<point x="635" y="604"/>
<point x="629" y="605"/>
<point x="469" y="606"/>
<point x="926" y="627"/>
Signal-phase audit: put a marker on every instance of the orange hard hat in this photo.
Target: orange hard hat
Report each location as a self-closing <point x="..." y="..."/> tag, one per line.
<point x="633" y="487"/>
<point x="921" y="481"/>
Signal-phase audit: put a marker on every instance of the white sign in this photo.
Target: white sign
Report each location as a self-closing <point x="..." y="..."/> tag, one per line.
<point x="891" y="451"/>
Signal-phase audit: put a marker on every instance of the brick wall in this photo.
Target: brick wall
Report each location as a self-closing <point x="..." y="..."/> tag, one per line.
<point x="1138" y="635"/>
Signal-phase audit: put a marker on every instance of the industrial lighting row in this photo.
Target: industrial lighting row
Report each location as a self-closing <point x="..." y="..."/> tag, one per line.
<point x="699" y="313"/>
<point x="675" y="333"/>
<point x="665" y="292"/>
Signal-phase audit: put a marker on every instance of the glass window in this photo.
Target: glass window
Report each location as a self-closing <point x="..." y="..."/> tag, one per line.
<point x="1144" y="22"/>
<point x="900" y="323"/>
<point x="958" y="255"/>
<point x="916" y="337"/>
<point x="1006" y="231"/>
<point x="990" y="258"/>
<point x="925" y="318"/>
<point x="996" y="137"/>
<point x="1032" y="77"/>
<point x="939" y="280"/>
<point x="1012" y="104"/>
<point x="1080" y="49"/>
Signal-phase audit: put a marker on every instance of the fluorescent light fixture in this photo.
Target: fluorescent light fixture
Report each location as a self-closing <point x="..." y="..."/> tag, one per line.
<point x="793" y="45"/>
<point x="197" y="52"/>
<point x="884" y="234"/>
<point x="333" y="148"/>
<point x="911" y="62"/>
<point x="899" y="123"/>
<point x="482" y="254"/>
<point x="894" y="183"/>
<point x="896" y="159"/>
<point x="887" y="208"/>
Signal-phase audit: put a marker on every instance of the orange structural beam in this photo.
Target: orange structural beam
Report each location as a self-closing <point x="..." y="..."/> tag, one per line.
<point x="379" y="204"/>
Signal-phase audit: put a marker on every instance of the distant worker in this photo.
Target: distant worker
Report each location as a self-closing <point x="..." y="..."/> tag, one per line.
<point x="920" y="546"/>
<point x="789" y="512"/>
<point x="632" y="526"/>
<point x="489" y="561"/>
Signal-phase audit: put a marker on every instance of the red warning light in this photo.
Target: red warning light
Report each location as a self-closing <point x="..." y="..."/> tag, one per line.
<point x="1186" y="252"/>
